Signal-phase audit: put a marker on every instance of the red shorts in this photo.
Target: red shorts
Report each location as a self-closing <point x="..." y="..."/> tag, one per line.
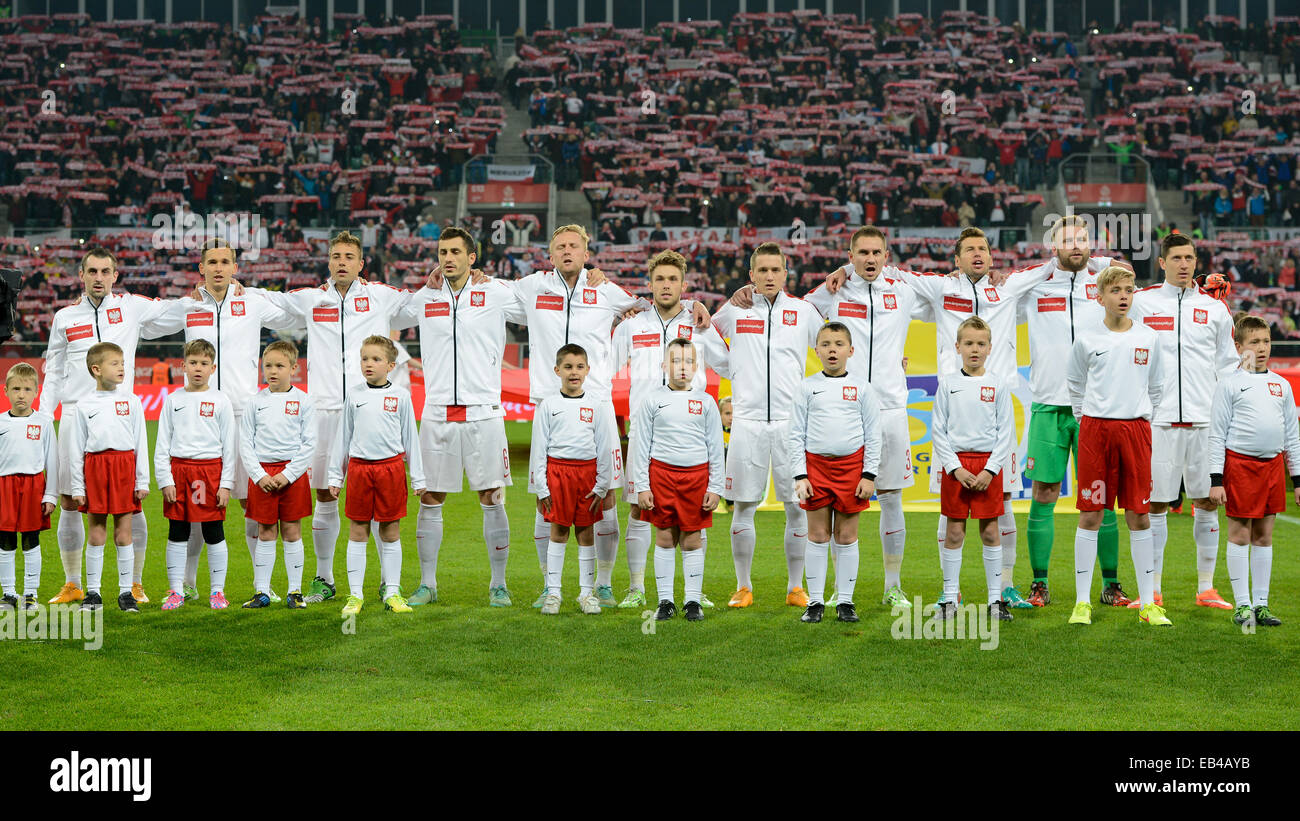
<point x="679" y="496"/>
<point x="110" y="483"/>
<point x="1256" y="487"/>
<point x="20" y="503"/>
<point x="290" y="504"/>
<point x="197" y="482"/>
<point x="376" y="490"/>
<point x="569" y="481"/>
<point x="835" y="482"/>
<point x="957" y="501"/>
<point x="1114" y="464"/>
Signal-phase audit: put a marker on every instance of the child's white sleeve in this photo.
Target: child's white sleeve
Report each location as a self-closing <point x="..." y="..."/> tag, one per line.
<point x="942" y="454"/>
<point x="307" y="447"/>
<point x="1156" y="379"/>
<point x="1220" y="421"/>
<point x="537" y="449"/>
<point x="1006" y="428"/>
<point x="78" y="449"/>
<point x="796" y="443"/>
<point x="411" y="442"/>
<point x="1291" y="429"/>
<point x="51" y="461"/>
<point x="339" y="451"/>
<point x="713" y="433"/>
<point x="643" y="424"/>
<point x="141" y="448"/>
<point x="228" y="449"/>
<point x="869" y="404"/>
<point x="162" y="447"/>
<point x="605" y="428"/>
<point x="1076" y="376"/>
<point x="248" y="443"/>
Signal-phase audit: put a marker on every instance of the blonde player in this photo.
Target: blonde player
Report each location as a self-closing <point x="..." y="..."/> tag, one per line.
<point x="276" y="446"/>
<point x="29" y="481"/>
<point x="971" y="432"/>
<point x="1114" y="381"/>
<point x="834" y="447"/>
<point x="1252" y="423"/>
<point x="571" y="471"/>
<point x="111" y="477"/>
<point x="678" y="424"/>
<point x="376" y="428"/>
<point x="194" y="458"/>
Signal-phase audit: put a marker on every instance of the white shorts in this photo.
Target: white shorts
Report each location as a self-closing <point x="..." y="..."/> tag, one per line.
<point x="757" y="447"/>
<point x="630" y="495"/>
<point x="327" y="430"/>
<point x="240" y="490"/>
<point x="65" y="451"/>
<point x="1179" y="455"/>
<point x="453" y="450"/>
<point x="895" y="471"/>
<point x="614" y="447"/>
<point x="1010" y="473"/>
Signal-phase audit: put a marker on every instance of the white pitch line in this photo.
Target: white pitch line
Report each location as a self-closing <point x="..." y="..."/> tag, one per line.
<point x="1293" y="520"/>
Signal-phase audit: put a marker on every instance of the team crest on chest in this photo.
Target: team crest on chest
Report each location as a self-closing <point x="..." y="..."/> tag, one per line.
<point x="237" y="308"/>
<point x="890" y="301"/>
<point x="476" y="299"/>
<point x="122" y="408"/>
<point x="584" y="414"/>
<point x="987" y="394"/>
<point x="34" y="432"/>
<point x="362" y="304"/>
<point x="1275" y="388"/>
<point x="684" y="331"/>
<point x="1200" y="316"/>
<point x="1140" y="356"/>
<point x="694" y="406"/>
<point x="851" y="393"/>
<point x="114" y="316"/>
<point x="790" y="317"/>
<point x="1091" y="290"/>
<point x="290" y="408"/>
<point x="390" y="404"/>
<point x="992" y="295"/>
<point x="207" y="409"/>
<point x="588" y="296"/>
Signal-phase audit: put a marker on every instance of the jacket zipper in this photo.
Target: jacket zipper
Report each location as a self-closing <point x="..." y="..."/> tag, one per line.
<point x="770" y="306"/>
<point x="1178" y="314"/>
<point x="871" y="331"/>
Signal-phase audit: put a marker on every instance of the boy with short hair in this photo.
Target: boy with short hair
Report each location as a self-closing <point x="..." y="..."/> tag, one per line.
<point x="972" y="420"/>
<point x="571" y="471"/>
<point x="1252" y="420"/>
<point x="1114" y="382"/>
<point x="194" y="458"/>
<point x="677" y="424"/>
<point x="110" y="470"/>
<point x="834" y="446"/>
<point x="377" y="427"/>
<point x="29" y="482"/>
<point x="276" y="444"/>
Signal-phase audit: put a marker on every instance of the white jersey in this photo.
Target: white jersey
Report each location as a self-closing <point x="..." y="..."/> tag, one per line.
<point x="27" y="447"/>
<point x="559" y="315"/>
<point x="1254" y="414"/>
<point x="463" y="337"/>
<point x="195" y="425"/>
<point x="336" y="324"/>
<point x="376" y="423"/>
<point x="571" y="427"/>
<point x="1195" y="336"/>
<point x="678" y="428"/>
<point x="234" y="327"/>
<point x="768" y="347"/>
<point x="972" y="414"/>
<point x="877" y="314"/>
<point x="1057" y="309"/>
<point x="108" y="420"/>
<point x="1115" y="374"/>
<point x="834" y="416"/>
<point x="954" y="299"/>
<point x="640" y="343"/>
<point x="278" y="427"/>
<point x="118" y="318"/>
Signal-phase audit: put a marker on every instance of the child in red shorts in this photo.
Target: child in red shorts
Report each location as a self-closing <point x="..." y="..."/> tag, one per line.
<point x="378" y="426"/>
<point x="110" y="470"/>
<point x="276" y="443"/>
<point x="1252" y="420"/>
<point x="834" y="446"/>
<point x="194" y="458"/>
<point x="676" y="426"/>
<point x="29" y="480"/>
<point x="570" y="474"/>
<point x="972" y="417"/>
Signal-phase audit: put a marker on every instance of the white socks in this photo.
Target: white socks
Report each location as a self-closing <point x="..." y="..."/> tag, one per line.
<point x="638" y="548"/>
<point x="1140" y="545"/>
<point x="217" y="557"/>
<point x="846" y="570"/>
<point x="324" y="534"/>
<point x="950" y="561"/>
<point x="7" y="570"/>
<point x="586" y="569"/>
<point x="542" y="540"/>
<point x="428" y="540"/>
<point x="31" y="570"/>
<point x="665" y="572"/>
<point x="294" y="558"/>
<point x="693" y="568"/>
<point x="251" y="532"/>
<point x="176" y="567"/>
<point x="94" y="566"/>
<point x="1261" y="568"/>
<point x="893" y="535"/>
<point x="125" y="565"/>
<point x="1007" y="526"/>
<point x="356" y="567"/>
<point x="994" y="568"/>
<point x="796" y="543"/>
<point x="1205" y="531"/>
<point x="192" y="550"/>
<point x="815" y="568"/>
<point x="554" y="566"/>
<point x="140" y="539"/>
<point x="72" y="534"/>
<point x="743" y="539"/>
<point x="607" y="536"/>
<point x="1085" y="557"/>
<point x="1239" y="573"/>
<point x="496" y="536"/>
<point x="1159" y="536"/>
<point x="390" y="559"/>
<point x="263" y="563"/>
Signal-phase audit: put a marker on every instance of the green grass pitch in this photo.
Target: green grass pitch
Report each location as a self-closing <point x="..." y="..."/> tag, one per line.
<point x="462" y="665"/>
